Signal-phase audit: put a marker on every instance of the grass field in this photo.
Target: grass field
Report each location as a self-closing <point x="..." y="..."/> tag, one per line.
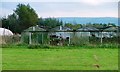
<point x="60" y="59"/>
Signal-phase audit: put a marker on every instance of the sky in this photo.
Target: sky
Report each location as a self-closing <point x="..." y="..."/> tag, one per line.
<point x="62" y="8"/>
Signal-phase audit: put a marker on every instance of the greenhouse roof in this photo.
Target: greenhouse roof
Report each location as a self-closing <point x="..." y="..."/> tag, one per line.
<point x="35" y="28"/>
<point x="66" y="29"/>
<point x="61" y="28"/>
<point x="111" y="29"/>
<point x="88" y="29"/>
<point x="4" y="31"/>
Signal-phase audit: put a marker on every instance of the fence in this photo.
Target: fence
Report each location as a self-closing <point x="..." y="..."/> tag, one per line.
<point x="68" y="37"/>
<point x="60" y="38"/>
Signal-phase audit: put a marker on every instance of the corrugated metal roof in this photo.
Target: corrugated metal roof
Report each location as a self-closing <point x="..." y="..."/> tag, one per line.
<point x="61" y="28"/>
<point x="88" y="29"/>
<point x="35" y="28"/>
<point x="111" y="29"/>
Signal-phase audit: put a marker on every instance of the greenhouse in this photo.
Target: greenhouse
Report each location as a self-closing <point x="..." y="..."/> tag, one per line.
<point x="65" y="36"/>
<point x="34" y="35"/>
<point x="5" y="32"/>
<point x="56" y="36"/>
<point x="5" y="36"/>
<point x="60" y="35"/>
<point x="105" y="35"/>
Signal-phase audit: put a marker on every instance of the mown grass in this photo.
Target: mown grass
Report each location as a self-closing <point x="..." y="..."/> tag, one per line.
<point x="0" y="58"/>
<point x="61" y="58"/>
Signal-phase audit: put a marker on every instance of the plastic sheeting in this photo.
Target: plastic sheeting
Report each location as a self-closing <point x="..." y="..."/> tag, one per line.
<point x="5" y="32"/>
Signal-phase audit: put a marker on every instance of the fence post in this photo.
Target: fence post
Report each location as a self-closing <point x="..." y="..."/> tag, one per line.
<point x="101" y="37"/>
<point x="30" y="42"/>
<point x="42" y="37"/>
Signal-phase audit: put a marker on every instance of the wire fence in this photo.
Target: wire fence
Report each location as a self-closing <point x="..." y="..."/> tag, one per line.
<point x="60" y="38"/>
<point x="69" y="38"/>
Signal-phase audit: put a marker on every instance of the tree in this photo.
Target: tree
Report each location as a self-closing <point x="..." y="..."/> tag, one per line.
<point x="13" y="23"/>
<point x="27" y="16"/>
<point x="5" y="23"/>
<point x="69" y="25"/>
<point x="49" y="23"/>
<point x="111" y="24"/>
<point x="74" y="27"/>
<point x="41" y="22"/>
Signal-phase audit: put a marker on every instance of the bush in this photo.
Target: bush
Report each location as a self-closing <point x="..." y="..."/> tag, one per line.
<point x="108" y="46"/>
<point x="5" y="45"/>
<point x="21" y="44"/>
<point x="38" y="46"/>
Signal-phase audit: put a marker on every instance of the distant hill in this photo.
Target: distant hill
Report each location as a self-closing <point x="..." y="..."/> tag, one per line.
<point x="86" y="20"/>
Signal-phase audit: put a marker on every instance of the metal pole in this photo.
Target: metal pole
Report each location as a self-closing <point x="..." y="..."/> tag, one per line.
<point x="42" y="38"/>
<point x="37" y="39"/>
<point x="69" y="40"/>
<point x="101" y="38"/>
<point x="30" y="42"/>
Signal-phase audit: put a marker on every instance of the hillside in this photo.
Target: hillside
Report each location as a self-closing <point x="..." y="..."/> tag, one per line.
<point x="86" y="20"/>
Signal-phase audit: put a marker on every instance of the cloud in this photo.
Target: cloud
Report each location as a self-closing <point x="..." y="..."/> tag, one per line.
<point x="58" y="0"/>
<point x="78" y="10"/>
<point x="67" y="9"/>
<point x="4" y="12"/>
<point x="91" y="2"/>
<point x="78" y="14"/>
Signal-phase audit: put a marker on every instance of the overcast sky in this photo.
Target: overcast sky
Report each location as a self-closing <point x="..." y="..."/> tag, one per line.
<point x="76" y="8"/>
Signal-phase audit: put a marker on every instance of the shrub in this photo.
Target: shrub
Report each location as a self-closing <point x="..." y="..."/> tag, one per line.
<point x="38" y="46"/>
<point x="5" y="46"/>
<point x="108" y="46"/>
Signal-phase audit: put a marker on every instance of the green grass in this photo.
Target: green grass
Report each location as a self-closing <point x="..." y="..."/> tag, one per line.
<point x="0" y="58"/>
<point x="60" y="59"/>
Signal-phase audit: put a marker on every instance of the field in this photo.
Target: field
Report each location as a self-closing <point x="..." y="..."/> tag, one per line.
<point x="21" y="58"/>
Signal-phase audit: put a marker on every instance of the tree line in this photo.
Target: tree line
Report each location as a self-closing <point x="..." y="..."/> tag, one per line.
<point x="95" y="25"/>
<point x="24" y="16"/>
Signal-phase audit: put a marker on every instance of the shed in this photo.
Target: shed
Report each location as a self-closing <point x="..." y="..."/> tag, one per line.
<point x="61" y="33"/>
<point x="34" y="35"/>
<point x="111" y="31"/>
<point x="77" y="37"/>
<point x="81" y="35"/>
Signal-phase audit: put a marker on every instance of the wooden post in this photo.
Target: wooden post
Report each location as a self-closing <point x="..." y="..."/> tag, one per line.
<point x="37" y="39"/>
<point x="30" y="42"/>
<point x="69" y="41"/>
<point x="42" y="37"/>
<point x="101" y="38"/>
